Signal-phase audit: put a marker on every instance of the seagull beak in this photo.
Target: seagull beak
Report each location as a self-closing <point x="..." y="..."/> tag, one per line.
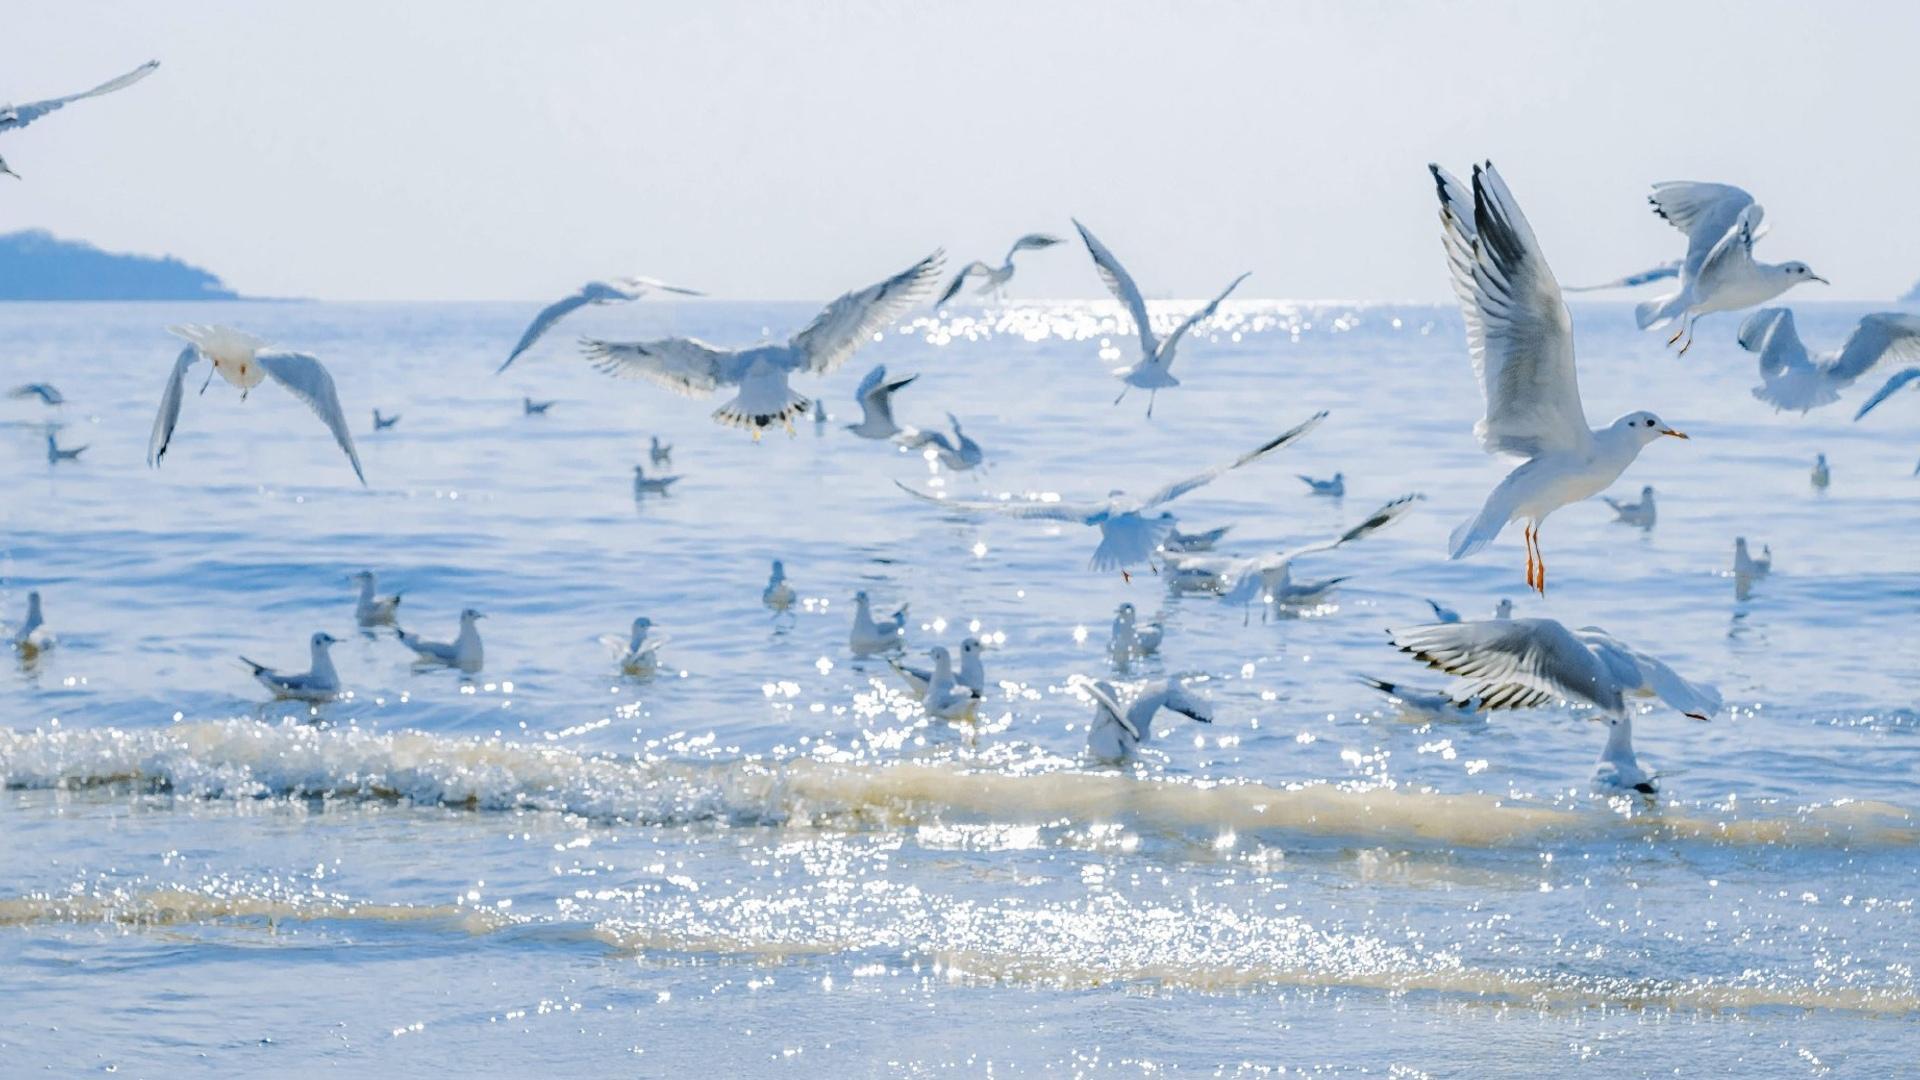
<point x="1675" y="434"/>
<point x="1818" y="278"/>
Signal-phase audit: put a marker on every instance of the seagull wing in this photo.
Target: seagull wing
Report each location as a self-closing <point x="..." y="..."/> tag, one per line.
<point x="306" y="378"/>
<point x="1079" y="513"/>
<point x="1195" y="319"/>
<point x="1245" y="573"/>
<point x="1882" y="335"/>
<point x="960" y="279"/>
<point x="1181" y="487"/>
<point x="1645" y="674"/>
<point x="593" y="292"/>
<point x="170" y="398"/>
<point x="1513" y="663"/>
<point x="1518" y="331"/>
<point x="683" y="365"/>
<point x="1731" y="253"/>
<point x="1704" y="212"/>
<point x="1120" y="284"/>
<point x="1650" y="274"/>
<point x="22" y="115"/>
<point x="640" y="286"/>
<point x="1033" y="241"/>
<point x="1892" y="386"/>
<point x="1102" y="696"/>
<point x="1771" y="333"/>
<point x="853" y="320"/>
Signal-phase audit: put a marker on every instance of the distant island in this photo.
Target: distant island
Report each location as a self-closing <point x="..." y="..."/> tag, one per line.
<point x="1913" y="295"/>
<point x="36" y="265"/>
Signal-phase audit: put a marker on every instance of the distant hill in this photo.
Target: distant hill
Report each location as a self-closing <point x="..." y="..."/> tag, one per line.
<point x="36" y="265"/>
<point x="1913" y="295"/>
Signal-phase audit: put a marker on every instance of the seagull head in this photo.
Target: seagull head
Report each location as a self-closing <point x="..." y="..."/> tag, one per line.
<point x="1798" y="272"/>
<point x="1125" y="613"/>
<point x="1644" y="427"/>
<point x="470" y="616"/>
<point x="971" y="646"/>
<point x="323" y="639"/>
<point x="779" y="569"/>
<point x="361" y="576"/>
<point x="1647" y="492"/>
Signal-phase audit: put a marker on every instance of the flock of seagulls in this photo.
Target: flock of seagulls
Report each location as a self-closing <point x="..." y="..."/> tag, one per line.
<point x="1521" y="344"/>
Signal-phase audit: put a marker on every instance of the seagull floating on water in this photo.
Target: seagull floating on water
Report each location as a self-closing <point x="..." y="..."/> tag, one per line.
<point x="464" y="652"/>
<point x="1822" y="476"/>
<point x="1745" y="565"/>
<point x="1127" y="536"/>
<point x="941" y="694"/>
<point x="1194" y="541"/>
<point x="1116" y="732"/>
<point x="382" y="423"/>
<point x="57" y="453"/>
<point x="530" y="407"/>
<point x="1152" y="371"/>
<point x="875" y="395"/>
<point x="972" y="673"/>
<point x="958" y="455"/>
<point x="1638" y="514"/>
<point x="868" y="636"/>
<point x="650" y="485"/>
<point x="1443" y="613"/>
<point x="610" y="291"/>
<point x="1721" y="222"/>
<point x="19" y="116"/>
<point x="33" y="637"/>
<point x="1524" y="663"/>
<point x="1334" y="488"/>
<point x="662" y="453"/>
<point x="760" y="372"/>
<point x="638" y="654"/>
<point x="317" y="684"/>
<point x="1269" y="578"/>
<point x="1504" y="610"/>
<point x="1132" y="639"/>
<point x="372" y="609"/>
<point x="1521" y="340"/>
<point x="46" y="392"/>
<point x="246" y="361"/>
<point x="778" y="595"/>
<point x="1792" y="378"/>
<point x="993" y="279"/>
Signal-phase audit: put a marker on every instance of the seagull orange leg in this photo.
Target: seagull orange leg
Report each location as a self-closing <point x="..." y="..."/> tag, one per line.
<point x="1526" y="537"/>
<point x="1539" y="561"/>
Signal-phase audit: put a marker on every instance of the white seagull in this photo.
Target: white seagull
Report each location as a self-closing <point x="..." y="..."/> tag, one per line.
<point x="245" y="361"/>
<point x="875" y="394"/>
<point x="1127" y="536"/>
<point x="1523" y="663"/>
<point x="1116" y="732"/>
<point x="32" y="637"/>
<point x="944" y="697"/>
<point x="372" y="609"/>
<point x="1504" y="610"/>
<point x="662" y="453"/>
<point x="1521" y="340"/>
<point x="1721" y="223"/>
<point x="1194" y="541"/>
<point x="778" y="594"/>
<point x="760" y="373"/>
<point x="1151" y="372"/>
<point x="650" y="485"/>
<point x="995" y="278"/>
<point x="1748" y="567"/>
<point x="46" y="392"/>
<point x="610" y="291"/>
<point x="1443" y="613"/>
<point x="1423" y="703"/>
<point x="637" y="653"/>
<point x="1822" y="476"/>
<point x="957" y="455"/>
<point x="1334" y="488"/>
<point x="972" y="673"/>
<point x="317" y="684"/>
<point x="1640" y="514"/>
<point x="19" y="116"/>
<point x="464" y="653"/>
<point x="868" y="636"/>
<point x="1269" y="578"/>
<point x="1132" y="639"/>
<point x="1793" y="378"/>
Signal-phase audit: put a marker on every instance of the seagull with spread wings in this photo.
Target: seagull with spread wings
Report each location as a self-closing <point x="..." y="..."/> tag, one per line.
<point x="19" y="116"/>
<point x="759" y="374"/>
<point x="1128" y="536"/>
<point x="1793" y="378"/>
<point x="1719" y="273"/>
<point x="1520" y="338"/>
<point x="1152" y="372"/>
<point x="1891" y="388"/>
<point x="610" y="291"/>
<point x="246" y="361"/>
<point x="994" y="278"/>
<point x="1269" y="578"/>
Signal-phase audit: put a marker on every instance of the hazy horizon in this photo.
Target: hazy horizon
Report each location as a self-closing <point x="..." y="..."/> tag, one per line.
<point x="429" y="153"/>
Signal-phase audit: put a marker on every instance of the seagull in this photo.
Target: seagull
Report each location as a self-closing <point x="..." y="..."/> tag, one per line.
<point x="246" y="361"/>
<point x="650" y="485"/>
<point x="1334" y="488"/>
<point x="46" y="392"/>
<point x="19" y="116"/>
<point x="372" y="609"/>
<point x="382" y="423"/>
<point x="942" y="695"/>
<point x="1521" y="340"/>
<point x="465" y="652"/>
<point x="958" y="455"/>
<point x="995" y="277"/>
<point x="1892" y="387"/>
<point x="1115" y="732"/>
<point x="319" y="683"/>
<point x="610" y="291"/>
<point x="1150" y="372"/>
<point x="871" y="637"/>
<point x="760" y="372"/>
<point x="1821" y="476"/>
<point x="662" y="453"/>
<point x="638" y="654"/>
<point x="536" y="408"/>
<point x="875" y="395"/>
<point x="1127" y="536"/>
<point x="1269" y="578"/>
<point x="1745" y="565"/>
<point x="1504" y="610"/>
<point x="1792" y="378"/>
<point x="57" y="454"/>
<point x="1651" y="274"/>
<point x="778" y="595"/>
<point x="33" y="637"/>
<point x="1194" y="541"/>
<point x="820" y="416"/>
<point x="1132" y="640"/>
<point x="1639" y="514"/>
<point x="971" y="676"/>
<point x="1426" y="703"/>
<point x="1523" y="663"/>
<point x="1721" y="223"/>
<point x="1442" y="613"/>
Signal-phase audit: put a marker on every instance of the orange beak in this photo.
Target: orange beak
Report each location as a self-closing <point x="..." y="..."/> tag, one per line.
<point x="1675" y="434"/>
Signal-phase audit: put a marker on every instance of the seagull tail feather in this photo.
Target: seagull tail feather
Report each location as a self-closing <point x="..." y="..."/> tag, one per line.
<point x="1660" y="310"/>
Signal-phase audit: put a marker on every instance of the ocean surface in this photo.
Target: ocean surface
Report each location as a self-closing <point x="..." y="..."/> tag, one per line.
<point x="764" y="861"/>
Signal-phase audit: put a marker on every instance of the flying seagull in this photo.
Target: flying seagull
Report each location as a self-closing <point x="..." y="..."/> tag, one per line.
<point x="1891" y="388"/>
<point x="610" y="291"/>
<point x="1719" y="273"/>
<point x="994" y="278"/>
<point x="1269" y="578"/>
<point x="760" y="373"/>
<point x="1793" y="378"/>
<point x="19" y="116"/>
<point x="245" y="361"/>
<point x="875" y="394"/>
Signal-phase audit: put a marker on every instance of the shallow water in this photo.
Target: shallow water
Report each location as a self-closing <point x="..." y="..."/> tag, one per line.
<point x="763" y="860"/>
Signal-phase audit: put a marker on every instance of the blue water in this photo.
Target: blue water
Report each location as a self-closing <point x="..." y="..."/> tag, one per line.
<point x="764" y="861"/>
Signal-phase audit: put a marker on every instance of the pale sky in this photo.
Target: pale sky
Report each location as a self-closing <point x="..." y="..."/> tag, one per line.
<point x="450" y="149"/>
